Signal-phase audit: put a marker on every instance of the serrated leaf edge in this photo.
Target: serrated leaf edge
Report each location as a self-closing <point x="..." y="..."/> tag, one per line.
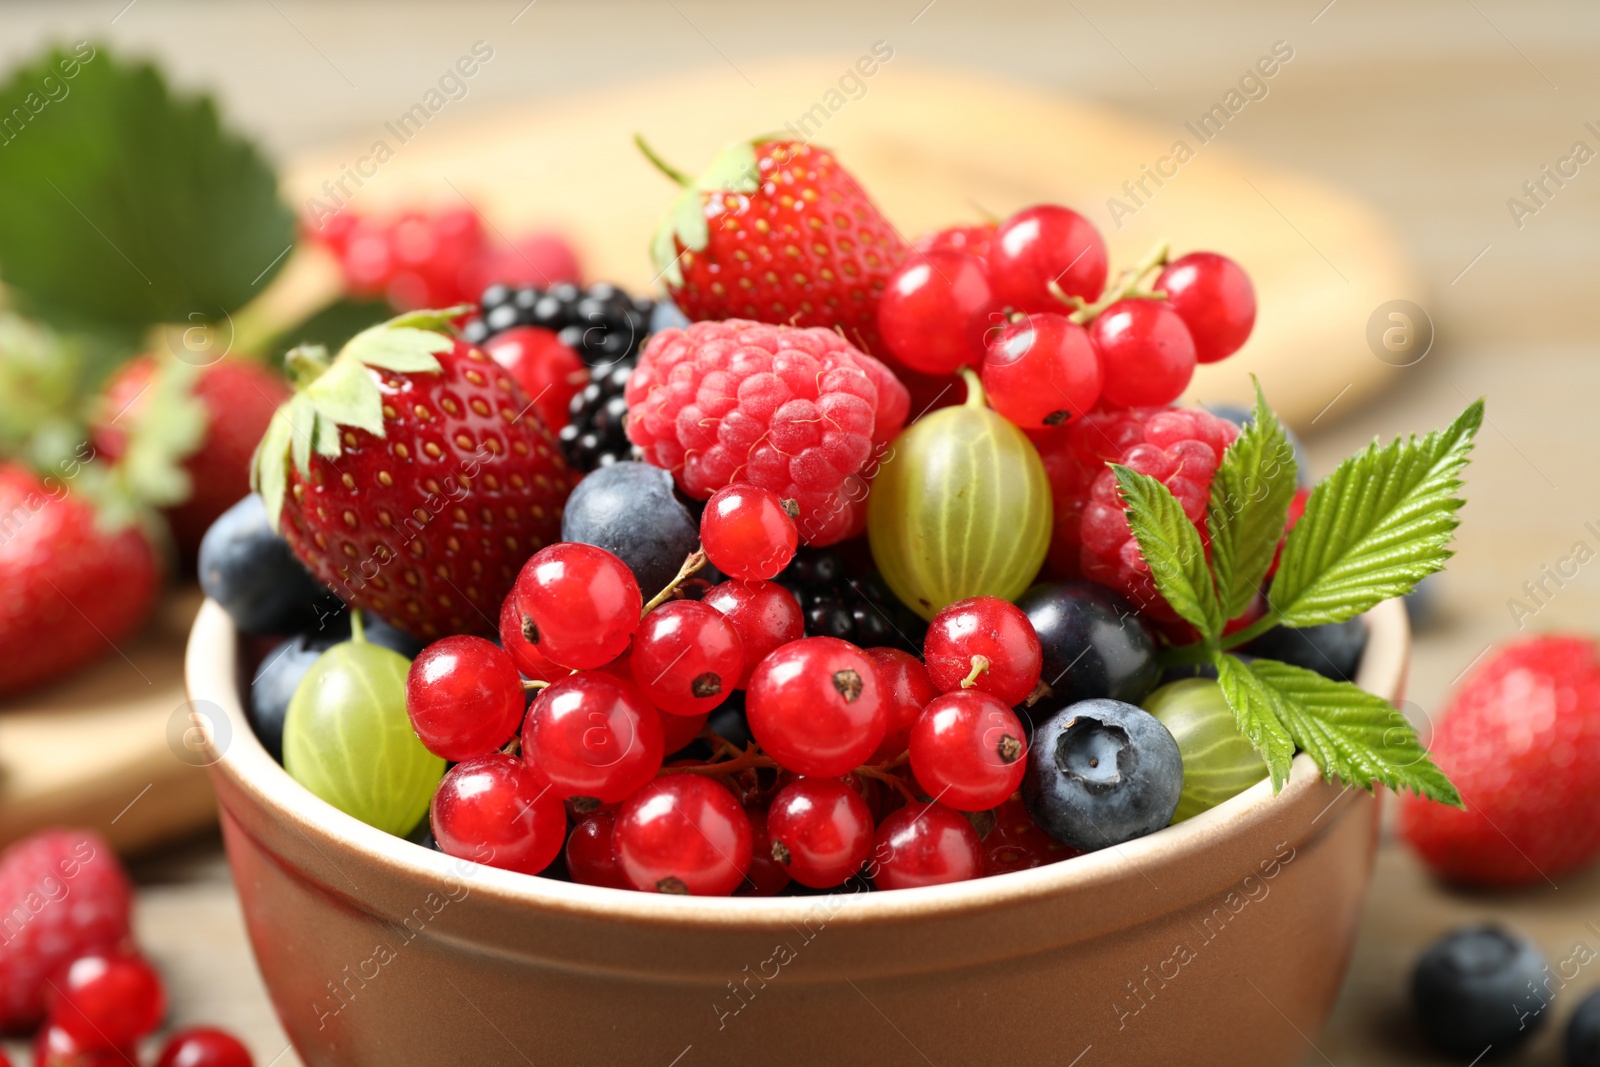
<point x="1256" y="713"/>
<point x="1172" y="549"/>
<point x="1250" y="496"/>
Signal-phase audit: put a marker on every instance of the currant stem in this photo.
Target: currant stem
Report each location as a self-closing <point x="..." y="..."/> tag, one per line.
<point x="660" y="164"/>
<point x="1127" y="285"/>
<point x="693" y="562"/>
<point x="980" y="664"/>
<point x="890" y="779"/>
<point x="750" y="759"/>
<point x="530" y="684"/>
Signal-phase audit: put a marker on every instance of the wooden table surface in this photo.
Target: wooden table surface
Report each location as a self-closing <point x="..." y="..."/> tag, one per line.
<point x="1435" y="112"/>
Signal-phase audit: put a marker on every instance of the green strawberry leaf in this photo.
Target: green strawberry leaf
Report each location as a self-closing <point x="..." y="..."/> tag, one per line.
<point x="1375" y="527"/>
<point x="1250" y="496"/>
<point x="123" y="205"/>
<point x="1256" y="711"/>
<point x="169" y="427"/>
<point x="269" y="474"/>
<point x="1352" y="734"/>
<point x="1171" y="545"/>
<point x="734" y="170"/>
<point x="346" y="394"/>
<point x="402" y="349"/>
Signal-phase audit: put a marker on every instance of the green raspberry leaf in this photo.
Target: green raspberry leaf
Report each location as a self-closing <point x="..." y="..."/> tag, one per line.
<point x="1171" y="545"/>
<point x="1256" y="710"/>
<point x="124" y="205"/>
<point x="1353" y="735"/>
<point x="1250" y="496"/>
<point x="1375" y="527"/>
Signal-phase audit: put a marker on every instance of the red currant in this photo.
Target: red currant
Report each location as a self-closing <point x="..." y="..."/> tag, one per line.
<point x="816" y="706"/>
<point x="683" y="833"/>
<point x="678" y="730"/>
<point x="56" y="1047"/>
<point x="766" y="876"/>
<point x="984" y="643"/>
<point x="748" y="532"/>
<point x="549" y="371"/>
<point x="1043" y="244"/>
<point x="933" y="311"/>
<point x="497" y="811"/>
<point x="529" y="660"/>
<point x="972" y="239"/>
<point x="1016" y="843"/>
<point x="591" y="859"/>
<point x="967" y="750"/>
<point x="204" y="1046"/>
<point x="1042" y="371"/>
<point x="925" y="844"/>
<point x="579" y="604"/>
<point x="593" y="735"/>
<point x="821" y="831"/>
<point x="1214" y="297"/>
<point x="906" y="691"/>
<point x="464" y="697"/>
<point x="1146" y="353"/>
<point x="687" y="657"/>
<point x="766" y="615"/>
<point x="108" y="1000"/>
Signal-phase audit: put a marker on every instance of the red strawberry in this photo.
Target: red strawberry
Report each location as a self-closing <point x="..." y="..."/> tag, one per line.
<point x="238" y="398"/>
<point x="779" y="232"/>
<point x="1521" y="741"/>
<point x="413" y="476"/>
<point x="62" y="895"/>
<point x="74" y="585"/>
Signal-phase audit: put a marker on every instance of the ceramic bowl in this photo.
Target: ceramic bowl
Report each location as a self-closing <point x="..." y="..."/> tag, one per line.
<point x="1222" y="940"/>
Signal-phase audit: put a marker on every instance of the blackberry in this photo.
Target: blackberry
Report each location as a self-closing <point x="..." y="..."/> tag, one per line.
<point x="596" y="434"/>
<point x="607" y="328"/>
<point x="850" y="603"/>
<point x="603" y="324"/>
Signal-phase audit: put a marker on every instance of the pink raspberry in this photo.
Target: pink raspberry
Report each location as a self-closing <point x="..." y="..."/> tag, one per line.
<point x="62" y="895"/>
<point x="796" y="411"/>
<point x="1181" y="448"/>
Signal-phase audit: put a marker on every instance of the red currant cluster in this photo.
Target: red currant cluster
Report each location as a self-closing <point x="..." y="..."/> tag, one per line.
<point x="1026" y="301"/>
<point x="105" y="1003"/>
<point x="858" y="761"/>
<point x="422" y="259"/>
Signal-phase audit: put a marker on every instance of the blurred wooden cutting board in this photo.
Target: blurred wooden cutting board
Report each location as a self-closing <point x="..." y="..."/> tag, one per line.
<point x="927" y="144"/>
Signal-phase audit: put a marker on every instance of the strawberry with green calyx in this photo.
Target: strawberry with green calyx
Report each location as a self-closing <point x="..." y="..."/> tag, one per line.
<point x="412" y="475"/>
<point x="777" y="231"/>
<point x="191" y="432"/>
<point x="79" y="571"/>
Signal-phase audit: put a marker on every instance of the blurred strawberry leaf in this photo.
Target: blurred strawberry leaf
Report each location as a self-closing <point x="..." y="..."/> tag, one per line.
<point x="122" y="205"/>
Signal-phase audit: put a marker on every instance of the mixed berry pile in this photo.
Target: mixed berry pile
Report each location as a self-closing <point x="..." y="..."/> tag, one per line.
<point x="830" y="584"/>
<point x="71" y="972"/>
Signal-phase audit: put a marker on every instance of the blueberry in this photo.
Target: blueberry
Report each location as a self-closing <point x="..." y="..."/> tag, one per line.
<point x="1583" y="1033"/>
<point x="254" y="575"/>
<point x="630" y="509"/>
<point x="1095" y="644"/>
<point x="1478" y="989"/>
<point x="1101" y="772"/>
<point x="1332" y="650"/>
